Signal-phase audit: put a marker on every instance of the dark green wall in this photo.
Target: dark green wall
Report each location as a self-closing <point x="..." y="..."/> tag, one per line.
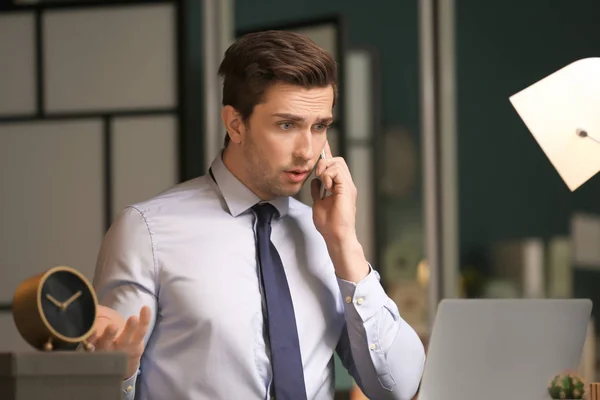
<point x="508" y="189"/>
<point x="195" y="103"/>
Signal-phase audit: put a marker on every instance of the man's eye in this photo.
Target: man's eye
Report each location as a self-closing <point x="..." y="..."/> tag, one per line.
<point x="320" y="127"/>
<point x="286" y="126"/>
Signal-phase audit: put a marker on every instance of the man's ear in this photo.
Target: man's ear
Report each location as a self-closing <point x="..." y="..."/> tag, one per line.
<point x="233" y="123"/>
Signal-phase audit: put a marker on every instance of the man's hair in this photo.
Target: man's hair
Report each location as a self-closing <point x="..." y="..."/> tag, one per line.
<point x="259" y="60"/>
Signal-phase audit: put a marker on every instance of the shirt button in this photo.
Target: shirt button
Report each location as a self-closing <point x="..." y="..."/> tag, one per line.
<point x="360" y="300"/>
<point x="129" y="388"/>
<point x="348" y="299"/>
<point x="373" y="346"/>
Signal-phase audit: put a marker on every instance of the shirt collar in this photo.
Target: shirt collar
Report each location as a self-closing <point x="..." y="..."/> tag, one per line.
<point x="237" y="196"/>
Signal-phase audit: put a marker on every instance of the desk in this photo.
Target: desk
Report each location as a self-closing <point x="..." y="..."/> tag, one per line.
<point x="37" y="375"/>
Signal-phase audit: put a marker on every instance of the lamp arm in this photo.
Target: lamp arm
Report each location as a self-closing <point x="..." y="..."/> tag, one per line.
<point x="582" y="133"/>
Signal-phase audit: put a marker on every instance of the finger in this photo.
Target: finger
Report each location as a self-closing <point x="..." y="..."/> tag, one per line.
<point x="326" y="163"/>
<point x="144" y="323"/>
<point x="328" y="149"/>
<point x="315" y="189"/>
<point x="332" y="175"/>
<point x="92" y="338"/>
<point x="106" y="341"/>
<point x="340" y="164"/>
<point x="338" y="180"/>
<point x="145" y="316"/>
<point x="323" y="164"/>
<point x="339" y="173"/>
<point x="97" y="333"/>
<point x="101" y="323"/>
<point x="327" y="180"/>
<point x="106" y="312"/>
<point x="126" y="336"/>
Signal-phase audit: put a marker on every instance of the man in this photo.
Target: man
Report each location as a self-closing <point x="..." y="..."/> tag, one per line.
<point x="244" y="292"/>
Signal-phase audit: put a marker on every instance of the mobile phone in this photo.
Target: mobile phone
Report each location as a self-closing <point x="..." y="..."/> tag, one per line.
<point x="323" y="190"/>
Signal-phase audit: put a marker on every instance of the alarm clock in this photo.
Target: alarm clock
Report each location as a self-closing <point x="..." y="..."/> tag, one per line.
<point x="55" y="310"/>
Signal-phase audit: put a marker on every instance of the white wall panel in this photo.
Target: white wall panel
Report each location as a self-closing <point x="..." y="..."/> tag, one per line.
<point x="106" y="59"/>
<point x="17" y="64"/>
<point x="325" y="36"/>
<point x="52" y="210"/>
<point x="585" y="232"/>
<point x="362" y="174"/>
<point x="144" y="158"/>
<point x="359" y="96"/>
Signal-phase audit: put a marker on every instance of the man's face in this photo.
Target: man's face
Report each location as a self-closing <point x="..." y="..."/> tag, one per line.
<point x="284" y="137"/>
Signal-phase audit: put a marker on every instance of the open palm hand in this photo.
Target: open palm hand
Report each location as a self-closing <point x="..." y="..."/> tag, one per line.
<point x="113" y="333"/>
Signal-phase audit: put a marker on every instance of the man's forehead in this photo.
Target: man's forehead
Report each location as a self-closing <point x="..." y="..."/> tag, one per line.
<point x="295" y="116"/>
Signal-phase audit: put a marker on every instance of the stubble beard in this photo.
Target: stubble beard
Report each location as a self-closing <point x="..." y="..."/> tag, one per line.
<point x="259" y="171"/>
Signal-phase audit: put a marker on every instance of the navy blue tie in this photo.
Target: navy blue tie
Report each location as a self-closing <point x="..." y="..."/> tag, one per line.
<point x="286" y="361"/>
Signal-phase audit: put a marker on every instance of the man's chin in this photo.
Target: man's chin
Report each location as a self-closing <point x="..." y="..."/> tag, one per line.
<point x="288" y="192"/>
<point x="290" y="189"/>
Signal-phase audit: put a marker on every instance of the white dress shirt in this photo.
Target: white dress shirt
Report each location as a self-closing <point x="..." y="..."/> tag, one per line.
<point x="190" y="254"/>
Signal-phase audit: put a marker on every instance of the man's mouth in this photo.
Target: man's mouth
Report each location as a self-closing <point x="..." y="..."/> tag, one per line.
<point x="297" y="175"/>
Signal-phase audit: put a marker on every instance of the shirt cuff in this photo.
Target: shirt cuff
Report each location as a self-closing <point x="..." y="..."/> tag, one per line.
<point x="367" y="297"/>
<point x="128" y="384"/>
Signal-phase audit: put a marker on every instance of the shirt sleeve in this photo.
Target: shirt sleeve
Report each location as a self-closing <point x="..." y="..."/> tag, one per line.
<point x="128" y="387"/>
<point x="125" y="276"/>
<point x="381" y="351"/>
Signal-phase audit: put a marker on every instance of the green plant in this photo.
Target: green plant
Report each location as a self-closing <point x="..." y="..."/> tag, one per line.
<point x="567" y="386"/>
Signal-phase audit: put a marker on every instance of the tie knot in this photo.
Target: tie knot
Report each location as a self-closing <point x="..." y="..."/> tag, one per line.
<point x="264" y="212"/>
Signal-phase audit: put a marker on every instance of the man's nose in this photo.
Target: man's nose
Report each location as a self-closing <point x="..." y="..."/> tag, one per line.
<point x="304" y="146"/>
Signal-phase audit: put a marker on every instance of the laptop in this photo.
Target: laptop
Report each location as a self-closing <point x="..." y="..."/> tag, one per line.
<point x="502" y="349"/>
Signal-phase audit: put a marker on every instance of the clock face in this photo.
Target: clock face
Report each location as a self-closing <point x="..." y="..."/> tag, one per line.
<point x="68" y="304"/>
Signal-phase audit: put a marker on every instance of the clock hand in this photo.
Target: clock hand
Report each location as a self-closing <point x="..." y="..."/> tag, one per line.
<point x="56" y="302"/>
<point x="71" y="299"/>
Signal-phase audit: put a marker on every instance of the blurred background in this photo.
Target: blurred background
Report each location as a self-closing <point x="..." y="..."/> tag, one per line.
<point x="105" y="103"/>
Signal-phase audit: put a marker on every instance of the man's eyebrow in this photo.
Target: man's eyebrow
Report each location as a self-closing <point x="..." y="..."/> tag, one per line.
<point x="293" y="117"/>
<point x="327" y="120"/>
